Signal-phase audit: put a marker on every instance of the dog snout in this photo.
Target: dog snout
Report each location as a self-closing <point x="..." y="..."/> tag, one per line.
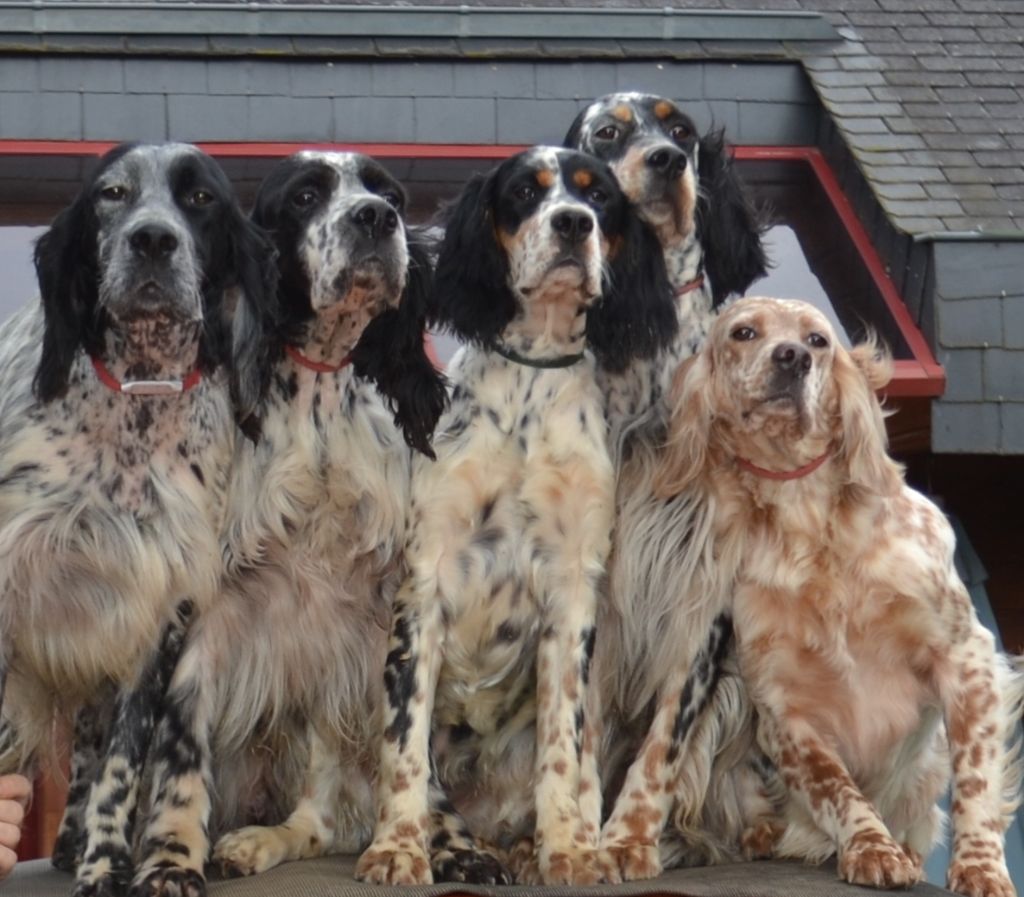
<point x="375" y="219"/>
<point x="573" y="226"/>
<point x="152" y="241"/>
<point x="666" y="160"/>
<point x="791" y="358"/>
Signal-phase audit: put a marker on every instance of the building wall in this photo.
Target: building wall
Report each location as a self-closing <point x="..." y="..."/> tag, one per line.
<point x="445" y="101"/>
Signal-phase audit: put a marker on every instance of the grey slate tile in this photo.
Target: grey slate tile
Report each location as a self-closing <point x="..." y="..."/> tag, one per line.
<point x="154" y="75"/>
<point x="103" y="75"/>
<point x="1013" y="321"/>
<point x="963" y="375"/>
<point x="496" y="79"/>
<point x="132" y="117"/>
<point x="42" y="116"/>
<point x="331" y="78"/>
<point x="770" y="81"/>
<point x="450" y="120"/>
<point x="1012" y="419"/>
<point x="373" y="119"/>
<point x="585" y="80"/>
<point x="303" y="119"/>
<point x="19" y="74"/>
<point x="194" y="117"/>
<point x="966" y="270"/>
<point x="1004" y="375"/>
<point x="970" y="322"/>
<point x="965" y="427"/>
<point x="534" y="121"/>
<point x="413" y="79"/>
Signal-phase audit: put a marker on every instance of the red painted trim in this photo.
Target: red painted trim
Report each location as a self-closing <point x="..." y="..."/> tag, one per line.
<point x="923" y="376"/>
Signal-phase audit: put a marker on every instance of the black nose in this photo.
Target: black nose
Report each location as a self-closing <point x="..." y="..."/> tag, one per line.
<point x="792" y="358"/>
<point x="667" y="160"/>
<point x="152" y="241"/>
<point x="573" y="227"/>
<point x="375" y="218"/>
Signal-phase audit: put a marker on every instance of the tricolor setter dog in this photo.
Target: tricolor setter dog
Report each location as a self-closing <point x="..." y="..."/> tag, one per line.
<point x="115" y="450"/>
<point x="274" y="701"/>
<point x="494" y="628"/>
<point x="662" y="640"/>
<point x="855" y="635"/>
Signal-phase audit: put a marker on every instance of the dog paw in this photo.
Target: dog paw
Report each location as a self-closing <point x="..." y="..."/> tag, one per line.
<point x="67" y="850"/>
<point x="636" y="861"/>
<point x="477" y="867"/>
<point x="522" y="860"/>
<point x="405" y="865"/>
<point x="979" y="880"/>
<point x="168" y="881"/>
<point x="578" y="866"/>
<point x="100" y="886"/>
<point x="875" y="860"/>
<point x="248" y="851"/>
<point x="758" y="841"/>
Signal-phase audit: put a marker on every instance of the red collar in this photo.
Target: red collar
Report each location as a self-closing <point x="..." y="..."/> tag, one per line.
<point x="144" y="387"/>
<point x="808" y="468"/>
<point x="690" y="286"/>
<point x="318" y="366"/>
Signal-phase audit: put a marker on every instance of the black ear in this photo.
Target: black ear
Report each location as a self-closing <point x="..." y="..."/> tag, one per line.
<point x="728" y="224"/>
<point x="254" y="339"/>
<point x="392" y="354"/>
<point x="471" y="297"/>
<point x="635" y="316"/>
<point x="68" y="274"/>
<point x="572" y="136"/>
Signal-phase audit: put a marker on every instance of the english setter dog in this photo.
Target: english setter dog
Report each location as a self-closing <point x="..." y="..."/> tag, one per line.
<point x="662" y="642"/>
<point x="493" y="630"/>
<point x="855" y="635"/>
<point x="271" y="712"/>
<point x="118" y="428"/>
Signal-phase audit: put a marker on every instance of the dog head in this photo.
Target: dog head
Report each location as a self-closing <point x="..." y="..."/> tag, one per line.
<point x="552" y="225"/>
<point x="774" y="386"/>
<point x="150" y="248"/>
<point x="685" y="186"/>
<point x="351" y="269"/>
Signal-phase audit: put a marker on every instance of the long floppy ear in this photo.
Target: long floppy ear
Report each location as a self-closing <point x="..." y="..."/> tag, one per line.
<point x="728" y="224"/>
<point x="392" y="354"/>
<point x="255" y="341"/>
<point x="572" y="136"/>
<point x="471" y="296"/>
<point x="635" y="316"/>
<point x="685" y="455"/>
<point x="862" y="438"/>
<point x="68" y="274"/>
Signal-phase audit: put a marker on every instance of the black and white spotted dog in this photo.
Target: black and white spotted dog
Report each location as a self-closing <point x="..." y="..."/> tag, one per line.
<point x="115" y="449"/>
<point x="271" y="713"/>
<point x="494" y="628"/>
<point x="662" y="644"/>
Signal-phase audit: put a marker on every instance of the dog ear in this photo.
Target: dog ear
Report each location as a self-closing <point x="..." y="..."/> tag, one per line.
<point x="685" y="454"/>
<point x="391" y="353"/>
<point x="575" y="132"/>
<point x="728" y="224"/>
<point x="471" y="297"/>
<point x="635" y="316"/>
<point x="862" y="438"/>
<point x="68" y="274"/>
<point x="254" y="338"/>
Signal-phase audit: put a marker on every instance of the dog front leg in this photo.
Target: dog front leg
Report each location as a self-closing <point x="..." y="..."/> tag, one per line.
<point x="399" y="853"/>
<point x="106" y="865"/>
<point x="633" y="831"/>
<point x="981" y="707"/>
<point x="817" y="777"/>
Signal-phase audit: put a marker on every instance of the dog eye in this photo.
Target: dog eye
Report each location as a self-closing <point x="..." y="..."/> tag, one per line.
<point x="304" y="198"/>
<point x="392" y="199"/>
<point x="524" y="192"/>
<point x="744" y="334"/>
<point x="200" y="198"/>
<point x="679" y="133"/>
<point x="817" y="341"/>
<point x="114" y="192"/>
<point x="597" y="196"/>
<point x="608" y="132"/>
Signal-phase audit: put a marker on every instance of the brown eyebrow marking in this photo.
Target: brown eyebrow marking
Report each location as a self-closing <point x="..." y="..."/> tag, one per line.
<point x="623" y="113"/>
<point x="582" y="178"/>
<point x="545" y="177"/>
<point x="663" y="109"/>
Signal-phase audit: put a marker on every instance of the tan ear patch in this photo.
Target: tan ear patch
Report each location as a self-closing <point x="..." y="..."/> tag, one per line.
<point x="545" y="177"/>
<point x="583" y="178"/>
<point x="623" y="113"/>
<point x="663" y="109"/>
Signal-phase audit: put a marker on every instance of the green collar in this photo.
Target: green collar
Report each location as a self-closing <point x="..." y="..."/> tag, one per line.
<point x="561" y="361"/>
